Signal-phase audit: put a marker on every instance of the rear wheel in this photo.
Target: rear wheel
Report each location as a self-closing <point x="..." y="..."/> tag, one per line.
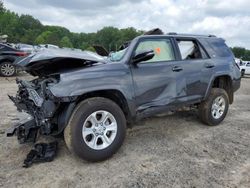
<point x="214" y="109"/>
<point x="96" y="129"/>
<point x="242" y="72"/>
<point x="7" y="69"/>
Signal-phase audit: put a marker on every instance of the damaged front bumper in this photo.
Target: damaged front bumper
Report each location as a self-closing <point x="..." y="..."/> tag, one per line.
<point x="26" y="131"/>
<point x="48" y="115"/>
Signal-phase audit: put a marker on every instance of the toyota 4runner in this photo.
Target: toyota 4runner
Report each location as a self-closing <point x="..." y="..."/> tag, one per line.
<point x="92" y="98"/>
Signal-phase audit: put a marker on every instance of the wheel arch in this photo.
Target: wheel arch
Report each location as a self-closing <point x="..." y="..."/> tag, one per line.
<point x="7" y="59"/>
<point x="223" y="81"/>
<point x="112" y="94"/>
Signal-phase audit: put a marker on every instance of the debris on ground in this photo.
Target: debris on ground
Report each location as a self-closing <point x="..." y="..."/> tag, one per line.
<point x="42" y="152"/>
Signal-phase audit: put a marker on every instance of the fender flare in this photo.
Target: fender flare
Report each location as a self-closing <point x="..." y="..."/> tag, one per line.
<point x="212" y="81"/>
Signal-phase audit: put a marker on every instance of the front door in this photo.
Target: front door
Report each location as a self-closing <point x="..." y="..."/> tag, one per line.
<point x="158" y="81"/>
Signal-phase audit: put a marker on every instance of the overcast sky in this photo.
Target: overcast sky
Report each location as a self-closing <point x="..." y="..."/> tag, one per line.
<point x="229" y="19"/>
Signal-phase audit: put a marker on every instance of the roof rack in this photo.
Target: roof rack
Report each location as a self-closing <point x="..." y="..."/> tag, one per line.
<point x="211" y="35"/>
<point x="172" y="33"/>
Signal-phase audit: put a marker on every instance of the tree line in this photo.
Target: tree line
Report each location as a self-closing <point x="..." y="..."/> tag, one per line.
<point x="27" y="29"/>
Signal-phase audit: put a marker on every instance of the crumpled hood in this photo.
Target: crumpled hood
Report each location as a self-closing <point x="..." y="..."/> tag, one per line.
<point x="51" y="61"/>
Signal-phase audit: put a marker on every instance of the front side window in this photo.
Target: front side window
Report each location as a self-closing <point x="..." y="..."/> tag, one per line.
<point x="162" y="48"/>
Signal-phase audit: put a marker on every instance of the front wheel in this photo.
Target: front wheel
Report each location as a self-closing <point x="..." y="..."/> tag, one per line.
<point x="214" y="109"/>
<point x="96" y="129"/>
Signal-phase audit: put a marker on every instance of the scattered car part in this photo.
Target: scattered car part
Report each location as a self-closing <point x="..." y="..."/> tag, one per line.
<point x="100" y="50"/>
<point x="155" y="31"/>
<point x="92" y="98"/>
<point x="25" y="131"/>
<point x="42" y="152"/>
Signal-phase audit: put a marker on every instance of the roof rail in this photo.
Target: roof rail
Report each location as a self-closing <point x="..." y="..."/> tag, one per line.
<point x="211" y="35"/>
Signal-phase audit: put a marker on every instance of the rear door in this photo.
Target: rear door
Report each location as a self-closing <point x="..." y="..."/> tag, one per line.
<point x="197" y="68"/>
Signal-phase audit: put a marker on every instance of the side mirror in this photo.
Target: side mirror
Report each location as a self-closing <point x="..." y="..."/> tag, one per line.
<point x="143" y="56"/>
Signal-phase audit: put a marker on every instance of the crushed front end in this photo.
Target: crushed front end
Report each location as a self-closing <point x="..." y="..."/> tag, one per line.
<point x="35" y="98"/>
<point x="49" y="114"/>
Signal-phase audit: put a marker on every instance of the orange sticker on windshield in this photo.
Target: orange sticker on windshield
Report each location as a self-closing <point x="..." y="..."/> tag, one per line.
<point x="158" y="50"/>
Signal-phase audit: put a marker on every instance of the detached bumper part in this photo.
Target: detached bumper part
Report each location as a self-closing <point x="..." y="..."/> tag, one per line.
<point x="42" y="152"/>
<point x="25" y="132"/>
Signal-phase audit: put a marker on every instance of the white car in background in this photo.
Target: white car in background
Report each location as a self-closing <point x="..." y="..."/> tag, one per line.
<point x="245" y="68"/>
<point x="48" y="46"/>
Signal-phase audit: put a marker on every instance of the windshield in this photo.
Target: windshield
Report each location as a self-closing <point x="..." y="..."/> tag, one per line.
<point x="117" y="56"/>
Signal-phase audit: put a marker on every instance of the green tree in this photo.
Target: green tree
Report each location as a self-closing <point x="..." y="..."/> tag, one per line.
<point x="90" y="48"/>
<point x="128" y="34"/>
<point x="48" y="37"/>
<point x="65" y="42"/>
<point x="43" y="37"/>
<point x="241" y="53"/>
<point x="108" y="37"/>
<point x="2" y="9"/>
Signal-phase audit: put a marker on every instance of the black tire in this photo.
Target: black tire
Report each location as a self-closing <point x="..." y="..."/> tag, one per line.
<point x="3" y="69"/>
<point x="242" y="72"/>
<point x="205" y="108"/>
<point x="73" y="132"/>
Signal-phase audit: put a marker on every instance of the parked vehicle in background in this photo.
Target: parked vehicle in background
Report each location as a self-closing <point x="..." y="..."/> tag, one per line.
<point x="92" y="98"/>
<point x="25" y="47"/>
<point x="48" y="46"/>
<point x="8" y="56"/>
<point x="245" y="68"/>
<point x="238" y="61"/>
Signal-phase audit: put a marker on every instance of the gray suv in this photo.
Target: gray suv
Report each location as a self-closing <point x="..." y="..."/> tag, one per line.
<point x="92" y="98"/>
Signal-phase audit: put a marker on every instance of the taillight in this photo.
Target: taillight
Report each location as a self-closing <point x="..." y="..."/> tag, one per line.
<point x="21" y="53"/>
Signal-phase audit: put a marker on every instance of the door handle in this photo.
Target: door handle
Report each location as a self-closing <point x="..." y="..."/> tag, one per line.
<point x="177" y="68"/>
<point x="209" y="65"/>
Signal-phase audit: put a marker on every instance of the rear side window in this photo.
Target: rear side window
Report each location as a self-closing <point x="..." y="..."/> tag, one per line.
<point x="220" y="48"/>
<point x="162" y="48"/>
<point x="190" y="49"/>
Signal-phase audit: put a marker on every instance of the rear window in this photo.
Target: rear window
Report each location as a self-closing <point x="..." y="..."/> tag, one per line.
<point x="220" y="48"/>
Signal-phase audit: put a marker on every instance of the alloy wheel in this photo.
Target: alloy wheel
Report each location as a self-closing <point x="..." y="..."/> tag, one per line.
<point x="99" y="130"/>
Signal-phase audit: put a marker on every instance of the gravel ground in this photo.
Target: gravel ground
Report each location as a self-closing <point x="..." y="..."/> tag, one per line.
<point x="170" y="151"/>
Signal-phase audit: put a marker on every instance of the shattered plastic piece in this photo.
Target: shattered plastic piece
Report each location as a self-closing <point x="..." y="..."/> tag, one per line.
<point x="155" y="31"/>
<point x="42" y="152"/>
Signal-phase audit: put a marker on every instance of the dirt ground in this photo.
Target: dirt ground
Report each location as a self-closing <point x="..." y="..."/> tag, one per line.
<point x="170" y="151"/>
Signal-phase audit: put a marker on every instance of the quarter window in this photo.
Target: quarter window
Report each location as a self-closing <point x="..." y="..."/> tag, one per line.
<point x="220" y="48"/>
<point x="162" y="48"/>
